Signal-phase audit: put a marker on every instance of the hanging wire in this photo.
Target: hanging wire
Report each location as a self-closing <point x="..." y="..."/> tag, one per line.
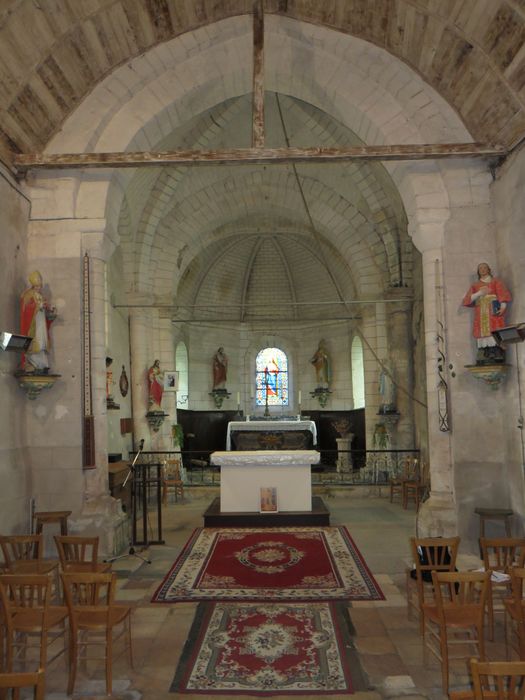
<point x="316" y="236"/>
<point x="520" y="403"/>
<point x="313" y="229"/>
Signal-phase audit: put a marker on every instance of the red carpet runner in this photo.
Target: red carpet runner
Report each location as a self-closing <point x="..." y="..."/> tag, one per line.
<point x="281" y="648"/>
<point x="296" y="564"/>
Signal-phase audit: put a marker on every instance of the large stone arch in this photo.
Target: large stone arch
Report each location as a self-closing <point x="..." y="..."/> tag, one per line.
<point x="379" y="99"/>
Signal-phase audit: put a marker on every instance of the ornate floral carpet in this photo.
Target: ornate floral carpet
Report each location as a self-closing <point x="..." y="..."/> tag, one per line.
<point x="299" y="564"/>
<point x="275" y="649"/>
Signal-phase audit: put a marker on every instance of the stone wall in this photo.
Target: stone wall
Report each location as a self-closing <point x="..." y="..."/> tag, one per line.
<point x="15" y="474"/>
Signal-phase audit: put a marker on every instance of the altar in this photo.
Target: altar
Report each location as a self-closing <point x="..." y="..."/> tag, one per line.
<point x="271" y="434"/>
<point x="245" y="473"/>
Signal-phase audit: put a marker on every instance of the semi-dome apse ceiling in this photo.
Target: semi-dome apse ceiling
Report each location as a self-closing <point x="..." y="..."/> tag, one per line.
<point x="247" y="243"/>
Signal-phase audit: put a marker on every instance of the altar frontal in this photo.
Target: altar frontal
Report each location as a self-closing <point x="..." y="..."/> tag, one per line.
<point x="247" y="476"/>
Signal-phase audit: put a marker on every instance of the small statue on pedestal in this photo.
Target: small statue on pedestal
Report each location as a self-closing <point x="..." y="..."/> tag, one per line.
<point x="489" y="296"/>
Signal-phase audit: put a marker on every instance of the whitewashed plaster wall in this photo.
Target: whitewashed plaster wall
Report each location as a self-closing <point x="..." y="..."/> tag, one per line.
<point x="15" y="474"/>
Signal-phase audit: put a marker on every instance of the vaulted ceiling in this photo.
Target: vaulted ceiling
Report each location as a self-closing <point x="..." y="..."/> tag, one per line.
<point x="248" y="236"/>
<point x="53" y="52"/>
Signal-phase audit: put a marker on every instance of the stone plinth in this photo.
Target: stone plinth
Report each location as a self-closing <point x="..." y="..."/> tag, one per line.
<point x="344" y="458"/>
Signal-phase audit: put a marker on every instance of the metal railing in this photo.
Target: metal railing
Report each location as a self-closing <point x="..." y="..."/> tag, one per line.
<point x="338" y="467"/>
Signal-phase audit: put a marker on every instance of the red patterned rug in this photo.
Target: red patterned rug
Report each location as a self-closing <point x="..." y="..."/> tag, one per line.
<point x="300" y="564"/>
<point x="275" y="649"/>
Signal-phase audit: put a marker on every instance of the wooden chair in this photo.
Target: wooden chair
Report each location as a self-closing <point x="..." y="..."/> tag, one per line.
<point x="396" y="482"/>
<point x="428" y="554"/>
<point x="79" y="554"/>
<point x="23" y="554"/>
<point x="16" y="681"/>
<point x="494" y="680"/>
<point x="515" y="614"/>
<point x="500" y="555"/>
<point x="171" y="478"/>
<point x="503" y="680"/>
<point x="95" y="620"/>
<point x="455" y="619"/>
<point x="29" y="618"/>
<point x="415" y="487"/>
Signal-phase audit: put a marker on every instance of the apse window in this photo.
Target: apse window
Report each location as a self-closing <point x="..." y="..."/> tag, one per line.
<point x="271" y="378"/>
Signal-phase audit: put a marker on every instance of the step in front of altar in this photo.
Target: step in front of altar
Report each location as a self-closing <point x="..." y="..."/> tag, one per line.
<point x="319" y="515"/>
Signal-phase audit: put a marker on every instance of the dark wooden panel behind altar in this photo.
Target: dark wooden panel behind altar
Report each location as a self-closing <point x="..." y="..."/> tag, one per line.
<point x="204" y="431"/>
<point x="327" y="434"/>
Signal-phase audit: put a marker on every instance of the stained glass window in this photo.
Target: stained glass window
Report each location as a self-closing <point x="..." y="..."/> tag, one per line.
<point x="271" y="378"/>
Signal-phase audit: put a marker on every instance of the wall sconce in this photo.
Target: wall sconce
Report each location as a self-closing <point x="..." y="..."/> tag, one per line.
<point x="322" y="394"/>
<point x="219" y="395"/>
<point x="156" y="419"/>
<point x="14" y="342"/>
<point x="510" y="334"/>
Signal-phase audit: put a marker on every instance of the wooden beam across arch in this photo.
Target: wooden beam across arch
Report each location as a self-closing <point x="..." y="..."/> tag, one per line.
<point x="248" y="156"/>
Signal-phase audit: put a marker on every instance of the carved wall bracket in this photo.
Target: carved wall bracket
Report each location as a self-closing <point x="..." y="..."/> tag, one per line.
<point x="492" y="375"/>
<point x="34" y="384"/>
<point x="219" y="395"/>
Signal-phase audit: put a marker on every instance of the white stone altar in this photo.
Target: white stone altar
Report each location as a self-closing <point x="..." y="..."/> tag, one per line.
<point x="243" y="474"/>
<point x="270" y="425"/>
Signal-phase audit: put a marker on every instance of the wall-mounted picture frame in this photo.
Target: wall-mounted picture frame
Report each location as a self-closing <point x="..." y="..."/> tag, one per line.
<point x="268" y="499"/>
<point x="171" y="381"/>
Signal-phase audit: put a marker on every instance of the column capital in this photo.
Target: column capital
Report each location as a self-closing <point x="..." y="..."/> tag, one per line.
<point x="97" y="244"/>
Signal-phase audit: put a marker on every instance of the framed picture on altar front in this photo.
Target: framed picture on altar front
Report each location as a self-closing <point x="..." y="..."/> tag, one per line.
<point x="268" y="502"/>
<point x="171" y="381"/>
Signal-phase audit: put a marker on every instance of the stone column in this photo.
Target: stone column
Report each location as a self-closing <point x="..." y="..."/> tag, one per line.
<point x="437" y="515"/>
<point x="101" y="514"/>
<point x="141" y="359"/>
<point x="399" y="351"/>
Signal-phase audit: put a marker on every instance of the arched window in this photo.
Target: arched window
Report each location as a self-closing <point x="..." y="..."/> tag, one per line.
<point x="358" y="373"/>
<point x="271" y="377"/>
<point x="181" y="364"/>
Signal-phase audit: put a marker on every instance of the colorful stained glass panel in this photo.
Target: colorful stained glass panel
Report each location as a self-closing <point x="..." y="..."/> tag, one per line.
<point x="271" y="378"/>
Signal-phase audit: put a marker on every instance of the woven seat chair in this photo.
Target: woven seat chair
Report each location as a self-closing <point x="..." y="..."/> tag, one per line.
<point x="500" y="555"/>
<point x="514" y="607"/>
<point x="171" y="478"/>
<point x="428" y="554"/>
<point x="78" y="553"/>
<point x="30" y="619"/>
<point x="15" y="682"/>
<point x="456" y="617"/>
<point x="95" y="621"/>
<point x="494" y="680"/>
<point x="23" y="555"/>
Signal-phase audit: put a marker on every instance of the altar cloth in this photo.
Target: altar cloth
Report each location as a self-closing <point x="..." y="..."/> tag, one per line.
<point x="267" y="426"/>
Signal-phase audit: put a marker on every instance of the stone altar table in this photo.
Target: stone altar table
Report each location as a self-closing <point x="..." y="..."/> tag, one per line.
<point x="243" y="474"/>
<point x="270" y="426"/>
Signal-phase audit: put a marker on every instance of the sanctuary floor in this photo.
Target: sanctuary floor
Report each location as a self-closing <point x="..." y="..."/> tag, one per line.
<point x="388" y="643"/>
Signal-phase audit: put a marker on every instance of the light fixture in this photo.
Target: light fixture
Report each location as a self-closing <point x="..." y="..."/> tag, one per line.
<point x="14" y="342"/>
<point x="510" y="334"/>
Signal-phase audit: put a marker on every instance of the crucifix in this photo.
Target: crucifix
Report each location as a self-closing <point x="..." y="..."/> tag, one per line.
<point x="266" y="385"/>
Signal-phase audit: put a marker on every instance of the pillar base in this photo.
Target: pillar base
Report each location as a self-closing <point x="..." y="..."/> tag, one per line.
<point x="437" y="516"/>
<point x="103" y="516"/>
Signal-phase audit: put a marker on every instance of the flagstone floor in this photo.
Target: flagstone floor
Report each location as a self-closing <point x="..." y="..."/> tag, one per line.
<point x="388" y="643"/>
